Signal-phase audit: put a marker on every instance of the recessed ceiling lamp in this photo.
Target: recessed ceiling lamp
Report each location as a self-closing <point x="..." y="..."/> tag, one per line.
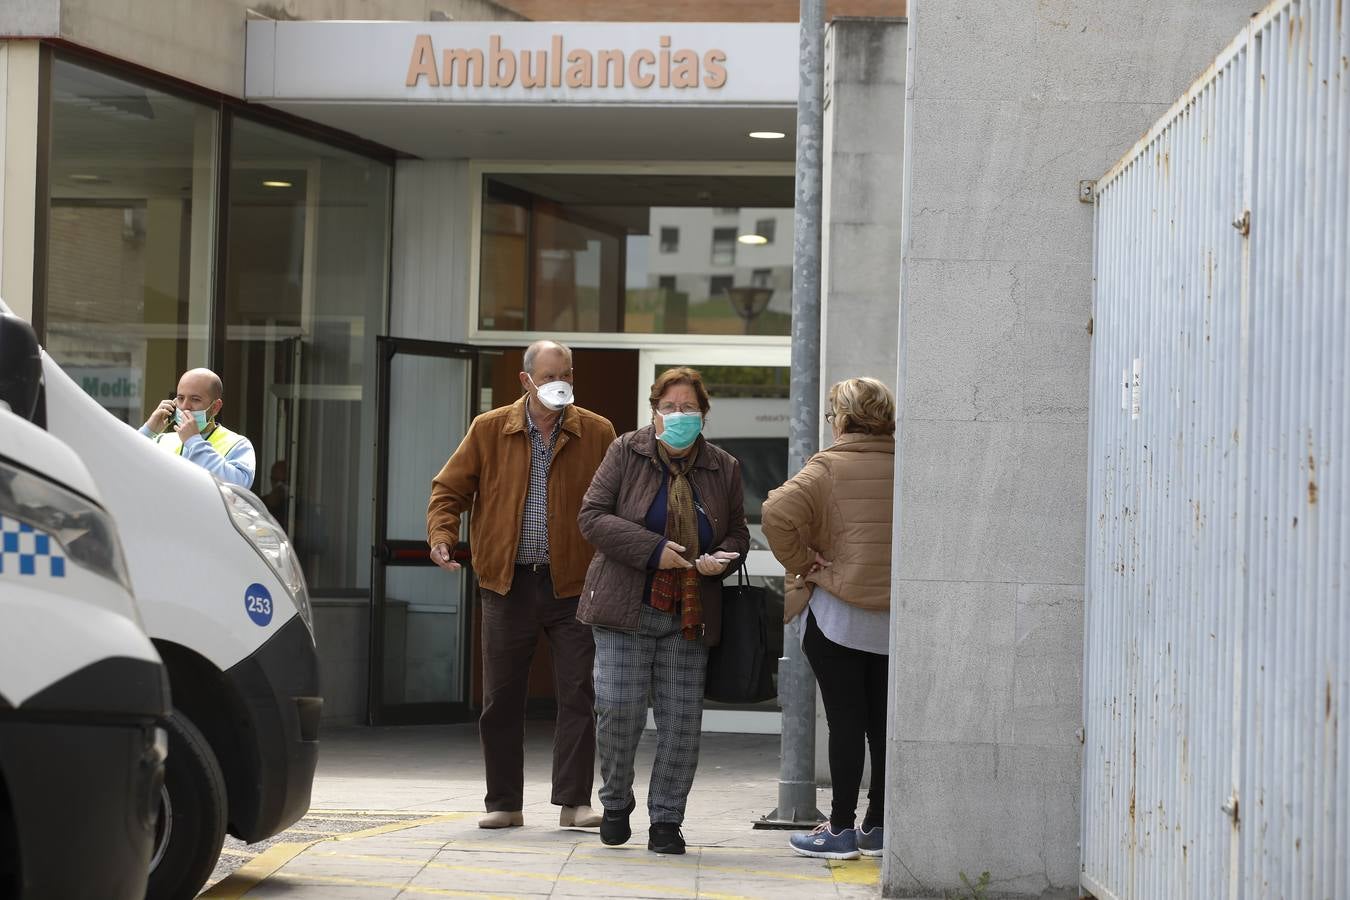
<point x="767" y="135"/>
<point x="89" y="179"/>
<point x="276" y="184"/>
<point x="753" y="239"/>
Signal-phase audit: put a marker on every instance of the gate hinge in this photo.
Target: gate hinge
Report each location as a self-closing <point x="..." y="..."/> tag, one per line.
<point x="1230" y="809"/>
<point x="1089" y="326"/>
<point x="1243" y="223"/>
<point x="1081" y="734"/>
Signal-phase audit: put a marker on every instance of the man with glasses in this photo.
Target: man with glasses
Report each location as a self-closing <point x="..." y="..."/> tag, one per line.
<point x="523" y="469"/>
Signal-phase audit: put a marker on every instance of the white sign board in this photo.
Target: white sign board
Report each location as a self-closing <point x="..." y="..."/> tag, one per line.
<point x="524" y="62"/>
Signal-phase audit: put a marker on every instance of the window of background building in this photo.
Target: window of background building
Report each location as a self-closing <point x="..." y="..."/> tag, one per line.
<point x="723" y="247"/>
<point x="305" y="296"/>
<point x="130" y="234"/>
<point x="578" y="253"/>
<point x="765" y="229"/>
<point x="761" y="278"/>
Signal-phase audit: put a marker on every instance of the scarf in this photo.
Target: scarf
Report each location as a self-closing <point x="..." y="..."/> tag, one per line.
<point x="679" y="590"/>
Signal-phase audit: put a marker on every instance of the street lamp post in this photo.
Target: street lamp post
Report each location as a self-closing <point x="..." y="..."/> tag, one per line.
<point x="749" y="302"/>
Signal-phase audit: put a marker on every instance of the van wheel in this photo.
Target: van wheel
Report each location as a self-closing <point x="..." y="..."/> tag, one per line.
<point x="191" y="826"/>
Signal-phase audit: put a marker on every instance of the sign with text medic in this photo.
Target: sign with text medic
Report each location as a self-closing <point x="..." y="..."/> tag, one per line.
<point x="524" y="62"/>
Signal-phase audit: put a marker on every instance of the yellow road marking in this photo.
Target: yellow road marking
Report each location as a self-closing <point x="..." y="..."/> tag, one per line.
<point x="268" y="864"/>
<point x="841" y="872"/>
<point x="380" y="813"/>
<point x="394" y="885"/>
<point x="858" y="871"/>
<point x="248" y="876"/>
<point x="450" y="892"/>
<point x="261" y="867"/>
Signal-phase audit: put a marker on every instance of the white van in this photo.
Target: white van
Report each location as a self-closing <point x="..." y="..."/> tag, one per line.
<point x="223" y="599"/>
<point x="82" y="691"/>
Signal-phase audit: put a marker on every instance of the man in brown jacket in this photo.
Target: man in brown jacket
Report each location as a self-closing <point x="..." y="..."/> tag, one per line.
<point x="523" y="470"/>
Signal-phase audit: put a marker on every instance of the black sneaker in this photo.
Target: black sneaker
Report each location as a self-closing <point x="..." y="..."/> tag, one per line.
<point x="665" y="837"/>
<point x="614" y="827"/>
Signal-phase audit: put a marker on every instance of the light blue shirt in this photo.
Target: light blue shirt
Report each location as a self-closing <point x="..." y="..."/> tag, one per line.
<point x="235" y="467"/>
<point x="868" y="630"/>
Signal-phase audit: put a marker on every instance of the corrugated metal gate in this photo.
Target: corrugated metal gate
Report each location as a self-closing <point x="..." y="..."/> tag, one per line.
<point x="1217" y="676"/>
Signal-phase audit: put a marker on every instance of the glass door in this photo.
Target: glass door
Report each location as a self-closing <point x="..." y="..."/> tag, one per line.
<point x="420" y="614"/>
<point x="748" y="387"/>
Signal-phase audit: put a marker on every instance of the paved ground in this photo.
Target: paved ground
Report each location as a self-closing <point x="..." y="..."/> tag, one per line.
<point x="394" y="814"/>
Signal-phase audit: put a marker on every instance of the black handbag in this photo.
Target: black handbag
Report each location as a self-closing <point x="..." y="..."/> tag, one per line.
<point x="739" y="668"/>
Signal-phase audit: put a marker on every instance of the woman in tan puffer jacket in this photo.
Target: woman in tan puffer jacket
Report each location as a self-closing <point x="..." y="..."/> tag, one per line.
<point x="830" y="527"/>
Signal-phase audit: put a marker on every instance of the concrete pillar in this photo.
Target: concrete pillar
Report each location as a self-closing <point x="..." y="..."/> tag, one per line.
<point x="864" y="144"/>
<point x="18" y="172"/>
<point x="1006" y="111"/>
<point x="860" y="243"/>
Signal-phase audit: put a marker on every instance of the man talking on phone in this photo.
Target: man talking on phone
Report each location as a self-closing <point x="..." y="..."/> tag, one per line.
<point x="186" y="424"/>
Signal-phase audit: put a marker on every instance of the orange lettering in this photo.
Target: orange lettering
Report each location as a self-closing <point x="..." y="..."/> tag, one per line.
<point x="532" y="76"/>
<point x="663" y="71"/>
<point x="636" y="77"/>
<point x="501" y="64"/>
<point x="423" y="62"/>
<point x="606" y="60"/>
<point x="555" y="70"/>
<point x="686" y="69"/>
<point x="717" y="74"/>
<point x="580" y="64"/>
<point x="464" y="61"/>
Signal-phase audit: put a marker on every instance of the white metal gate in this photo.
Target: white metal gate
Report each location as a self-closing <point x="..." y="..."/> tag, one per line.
<point x="1217" y="661"/>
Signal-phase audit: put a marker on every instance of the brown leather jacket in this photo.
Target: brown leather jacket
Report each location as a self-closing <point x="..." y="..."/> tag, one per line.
<point x="840" y="505"/>
<point x="612" y="518"/>
<point x="489" y="474"/>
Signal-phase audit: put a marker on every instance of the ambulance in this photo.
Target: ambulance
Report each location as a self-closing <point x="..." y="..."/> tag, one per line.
<point x="222" y="597"/>
<point x="82" y="692"/>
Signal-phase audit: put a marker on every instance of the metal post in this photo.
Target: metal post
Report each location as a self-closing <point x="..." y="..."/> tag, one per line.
<point x="796" y="683"/>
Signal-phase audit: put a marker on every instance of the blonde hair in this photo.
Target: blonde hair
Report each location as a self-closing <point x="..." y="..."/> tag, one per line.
<point x="863" y="405"/>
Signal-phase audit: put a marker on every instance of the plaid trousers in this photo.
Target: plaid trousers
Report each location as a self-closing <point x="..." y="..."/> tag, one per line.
<point x="656" y="663"/>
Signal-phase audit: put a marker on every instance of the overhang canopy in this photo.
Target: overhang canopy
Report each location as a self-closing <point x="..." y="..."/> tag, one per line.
<point x="536" y="90"/>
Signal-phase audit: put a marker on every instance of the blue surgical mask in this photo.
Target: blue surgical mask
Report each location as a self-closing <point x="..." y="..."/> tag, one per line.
<point x="198" y="414"/>
<point x="680" y="429"/>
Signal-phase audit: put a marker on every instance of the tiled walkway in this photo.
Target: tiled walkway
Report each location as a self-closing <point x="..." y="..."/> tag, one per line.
<point x="421" y="788"/>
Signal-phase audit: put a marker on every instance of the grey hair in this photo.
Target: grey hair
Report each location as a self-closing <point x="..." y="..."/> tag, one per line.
<point x="532" y="353"/>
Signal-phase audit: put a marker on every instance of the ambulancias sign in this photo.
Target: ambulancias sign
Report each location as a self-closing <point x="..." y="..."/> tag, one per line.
<point x="524" y="62"/>
<point x="679" y="68"/>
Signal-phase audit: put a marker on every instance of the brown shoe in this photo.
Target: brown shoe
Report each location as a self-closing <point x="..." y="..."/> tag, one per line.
<point x="502" y="818"/>
<point x="578" y="817"/>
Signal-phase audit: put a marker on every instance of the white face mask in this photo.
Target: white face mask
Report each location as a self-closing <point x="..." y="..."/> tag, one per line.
<point x="555" y="394"/>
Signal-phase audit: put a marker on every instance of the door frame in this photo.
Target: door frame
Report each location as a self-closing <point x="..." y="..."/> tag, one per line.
<point x="405" y="553"/>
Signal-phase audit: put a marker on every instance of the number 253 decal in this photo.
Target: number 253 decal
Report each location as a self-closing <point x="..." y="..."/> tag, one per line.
<point x="258" y="604"/>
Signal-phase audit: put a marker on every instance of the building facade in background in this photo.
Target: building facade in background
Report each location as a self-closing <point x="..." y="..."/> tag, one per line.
<point x="360" y="225"/>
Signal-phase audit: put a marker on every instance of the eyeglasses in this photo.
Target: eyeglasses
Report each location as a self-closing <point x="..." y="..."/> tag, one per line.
<point x="666" y="409"/>
<point x="831" y="416"/>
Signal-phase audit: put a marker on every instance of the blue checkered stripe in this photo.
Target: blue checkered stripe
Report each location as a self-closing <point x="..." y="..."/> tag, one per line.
<point x="26" y="551"/>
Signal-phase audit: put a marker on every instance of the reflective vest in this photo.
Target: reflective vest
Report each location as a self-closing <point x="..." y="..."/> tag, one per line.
<point x="221" y="438"/>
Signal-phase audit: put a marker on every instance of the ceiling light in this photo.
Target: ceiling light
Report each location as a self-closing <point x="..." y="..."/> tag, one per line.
<point x="276" y="184"/>
<point x="753" y="239"/>
<point x="767" y="135"/>
<point x="89" y="179"/>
